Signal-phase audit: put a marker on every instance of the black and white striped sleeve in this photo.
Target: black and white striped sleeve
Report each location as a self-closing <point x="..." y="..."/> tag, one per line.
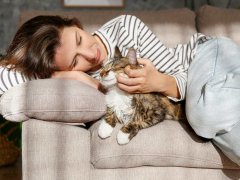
<point x="10" y="78"/>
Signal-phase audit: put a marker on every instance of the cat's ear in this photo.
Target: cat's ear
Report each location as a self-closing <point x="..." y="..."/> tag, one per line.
<point x="117" y="53"/>
<point x="132" y="56"/>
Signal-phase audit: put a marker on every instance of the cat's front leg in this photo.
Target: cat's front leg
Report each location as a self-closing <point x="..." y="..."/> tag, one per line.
<point x="127" y="132"/>
<point x="105" y="130"/>
<point x="123" y="138"/>
<point x="106" y="126"/>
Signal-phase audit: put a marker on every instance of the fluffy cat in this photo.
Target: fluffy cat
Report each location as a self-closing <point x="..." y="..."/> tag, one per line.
<point x="134" y="111"/>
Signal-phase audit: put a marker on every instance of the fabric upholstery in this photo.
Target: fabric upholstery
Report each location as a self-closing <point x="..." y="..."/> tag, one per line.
<point x="171" y="26"/>
<point x="53" y="100"/>
<point x="164" y="173"/>
<point x="168" y="143"/>
<point x="219" y="22"/>
<point x="54" y="151"/>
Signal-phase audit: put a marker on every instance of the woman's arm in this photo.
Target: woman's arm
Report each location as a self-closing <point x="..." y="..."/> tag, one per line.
<point x="11" y="78"/>
<point x="78" y="75"/>
<point x="128" y="31"/>
<point x="172" y="75"/>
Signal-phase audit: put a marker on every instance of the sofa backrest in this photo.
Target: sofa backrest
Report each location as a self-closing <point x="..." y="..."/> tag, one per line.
<point x="219" y="22"/>
<point x="171" y="26"/>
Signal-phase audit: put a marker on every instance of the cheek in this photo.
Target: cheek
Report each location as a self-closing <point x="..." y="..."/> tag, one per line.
<point x="61" y="65"/>
<point x="60" y="61"/>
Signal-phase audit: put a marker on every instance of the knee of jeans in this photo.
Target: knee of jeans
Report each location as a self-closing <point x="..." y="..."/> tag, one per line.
<point x="201" y="126"/>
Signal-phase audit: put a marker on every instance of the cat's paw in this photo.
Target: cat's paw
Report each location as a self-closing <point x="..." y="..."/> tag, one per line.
<point x="105" y="130"/>
<point x="123" y="138"/>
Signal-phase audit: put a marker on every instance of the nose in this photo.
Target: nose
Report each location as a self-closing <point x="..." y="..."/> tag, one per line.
<point x="87" y="53"/>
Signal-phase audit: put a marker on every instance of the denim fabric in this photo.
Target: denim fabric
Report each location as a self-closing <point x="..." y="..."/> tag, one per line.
<point x="213" y="94"/>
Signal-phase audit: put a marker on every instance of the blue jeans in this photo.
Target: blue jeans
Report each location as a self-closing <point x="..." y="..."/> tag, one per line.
<point x="213" y="95"/>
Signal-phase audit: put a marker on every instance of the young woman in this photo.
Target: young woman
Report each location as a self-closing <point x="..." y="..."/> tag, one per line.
<point x="51" y="46"/>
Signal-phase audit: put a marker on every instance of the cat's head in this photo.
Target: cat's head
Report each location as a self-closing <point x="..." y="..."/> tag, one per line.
<point x="116" y="66"/>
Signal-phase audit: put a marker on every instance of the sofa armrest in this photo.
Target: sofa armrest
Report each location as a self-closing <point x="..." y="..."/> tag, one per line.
<point x="59" y="100"/>
<point x="53" y="150"/>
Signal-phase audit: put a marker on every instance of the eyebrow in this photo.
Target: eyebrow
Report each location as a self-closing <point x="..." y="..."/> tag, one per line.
<point x="74" y="58"/>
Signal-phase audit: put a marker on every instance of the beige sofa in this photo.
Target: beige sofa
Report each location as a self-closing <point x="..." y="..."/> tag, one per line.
<point x="54" y="147"/>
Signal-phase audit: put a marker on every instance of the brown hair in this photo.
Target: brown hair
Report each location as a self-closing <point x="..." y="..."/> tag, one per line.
<point x="33" y="48"/>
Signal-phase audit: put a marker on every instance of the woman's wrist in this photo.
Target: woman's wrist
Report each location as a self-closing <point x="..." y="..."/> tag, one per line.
<point x="167" y="85"/>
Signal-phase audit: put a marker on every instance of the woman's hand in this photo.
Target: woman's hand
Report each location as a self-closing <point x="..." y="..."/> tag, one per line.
<point x="77" y="75"/>
<point x="147" y="79"/>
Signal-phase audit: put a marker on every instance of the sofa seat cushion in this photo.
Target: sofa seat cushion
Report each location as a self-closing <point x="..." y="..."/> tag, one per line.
<point x="59" y="100"/>
<point x="169" y="143"/>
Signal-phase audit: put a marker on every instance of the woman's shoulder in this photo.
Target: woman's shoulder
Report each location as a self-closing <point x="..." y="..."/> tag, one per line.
<point x="125" y="18"/>
<point x="129" y="17"/>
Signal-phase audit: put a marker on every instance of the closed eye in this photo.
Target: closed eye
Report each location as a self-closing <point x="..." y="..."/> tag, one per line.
<point x="78" y="43"/>
<point x="78" y="40"/>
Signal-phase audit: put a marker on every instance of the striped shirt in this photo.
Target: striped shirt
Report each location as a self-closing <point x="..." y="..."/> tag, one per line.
<point x="11" y="78"/>
<point x="127" y="31"/>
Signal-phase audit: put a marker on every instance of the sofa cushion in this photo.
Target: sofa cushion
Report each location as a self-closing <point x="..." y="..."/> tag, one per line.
<point x="171" y="26"/>
<point x="169" y="143"/>
<point x="216" y="21"/>
<point x="53" y="100"/>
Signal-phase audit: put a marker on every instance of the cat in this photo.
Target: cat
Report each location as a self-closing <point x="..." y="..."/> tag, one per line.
<point x="134" y="111"/>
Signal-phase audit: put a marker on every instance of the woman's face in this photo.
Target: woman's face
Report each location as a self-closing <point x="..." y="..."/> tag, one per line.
<point x="79" y="51"/>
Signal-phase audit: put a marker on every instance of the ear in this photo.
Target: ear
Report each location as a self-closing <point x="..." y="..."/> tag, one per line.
<point x="117" y="53"/>
<point x="132" y="56"/>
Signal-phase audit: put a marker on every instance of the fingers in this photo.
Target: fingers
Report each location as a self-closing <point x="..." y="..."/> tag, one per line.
<point x="141" y="72"/>
<point x="134" y="73"/>
<point x="129" y="89"/>
<point x="139" y="80"/>
<point x="131" y="85"/>
<point x="129" y="81"/>
<point x="144" y="62"/>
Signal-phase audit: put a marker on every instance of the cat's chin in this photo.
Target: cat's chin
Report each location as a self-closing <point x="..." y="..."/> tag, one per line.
<point x="109" y="83"/>
<point x="110" y="80"/>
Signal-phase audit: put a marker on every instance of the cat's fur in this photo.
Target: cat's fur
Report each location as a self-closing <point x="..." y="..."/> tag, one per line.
<point x="134" y="111"/>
